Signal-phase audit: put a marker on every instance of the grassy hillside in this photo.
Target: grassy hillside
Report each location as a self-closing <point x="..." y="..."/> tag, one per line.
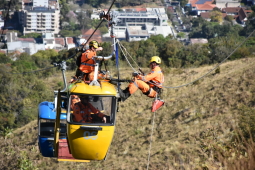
<point x="197" y="128"/>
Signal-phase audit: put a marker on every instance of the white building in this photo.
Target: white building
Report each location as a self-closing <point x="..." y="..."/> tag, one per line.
<point x="156" y="16"/>
<point x="28" y="47"/>
<point x="41" y="16"/>
<point x="133" y="25"/>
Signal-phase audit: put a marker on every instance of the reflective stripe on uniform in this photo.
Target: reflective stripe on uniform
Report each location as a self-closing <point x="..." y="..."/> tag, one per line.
<point x="158" y="71"/>
<point x="87" y="64"/>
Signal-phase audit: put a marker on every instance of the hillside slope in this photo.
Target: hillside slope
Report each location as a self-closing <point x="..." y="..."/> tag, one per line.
<point x="194" y="130"/>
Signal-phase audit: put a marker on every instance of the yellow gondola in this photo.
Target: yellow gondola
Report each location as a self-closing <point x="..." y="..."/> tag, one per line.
<point x="91" y="141"/>
<point x="88" y="140"/>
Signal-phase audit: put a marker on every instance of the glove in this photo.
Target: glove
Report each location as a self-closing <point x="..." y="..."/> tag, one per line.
<point x="135" y="74"/>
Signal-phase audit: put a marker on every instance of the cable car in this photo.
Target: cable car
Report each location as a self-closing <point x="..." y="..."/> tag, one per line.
<point x="47" y="119"/>
<point x="90" y="140"/>
<point x="87" y="140"/>
<point x="46" y="123"/>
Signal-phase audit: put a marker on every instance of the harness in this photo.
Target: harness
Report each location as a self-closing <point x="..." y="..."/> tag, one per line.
<point x="87" y="64"/>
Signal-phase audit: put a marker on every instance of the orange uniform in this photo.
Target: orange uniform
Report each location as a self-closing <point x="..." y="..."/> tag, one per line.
<point x="149" y="83"/>
<point x="82" y="113"/>
<point x="88" y="63"/>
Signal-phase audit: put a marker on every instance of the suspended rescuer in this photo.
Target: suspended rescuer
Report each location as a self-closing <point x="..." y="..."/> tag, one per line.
<point x="84" y="112"/>
<point x="86" y="63"/>
<point x="150" y="84"/>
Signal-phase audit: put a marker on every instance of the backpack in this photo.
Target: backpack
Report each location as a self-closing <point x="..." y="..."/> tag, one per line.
<point x="78" y="60"/>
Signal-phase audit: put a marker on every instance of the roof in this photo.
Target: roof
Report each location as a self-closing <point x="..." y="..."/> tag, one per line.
<point x="140" y="9"/>
<point x="198" y="40"/>
<point x="70" y="40"/>
<point x="48" y="41"/>
<point x="27" y="39"/>
<point x="206" y="15"/>
<point x="90" y="31"/>
<point x="231" y="9"/>
<point x="96" y="36"/>
<point x="207" y="7"/>
<point x="241" y="12"/>
<point x="137" y="31"/>
<point x="60" y="41"/>
<point x="201" y="3"/>
<point x="171" y="9"/>
<point x="3" y="51"/>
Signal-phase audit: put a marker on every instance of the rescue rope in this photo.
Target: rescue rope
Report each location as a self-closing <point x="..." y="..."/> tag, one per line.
<point x="121" y="46"/>
<point x="152" y="129"/>
<point x="212" y="68"/>
<point x="128" y="54"/>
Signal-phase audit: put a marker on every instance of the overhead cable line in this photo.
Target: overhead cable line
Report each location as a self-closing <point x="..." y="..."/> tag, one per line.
<point x="68" y="57"/>
<point x="94" y="30"/>
<point x="211" y="69"/>
<point x="99" y="23"/>
<point x="216" y="65"/>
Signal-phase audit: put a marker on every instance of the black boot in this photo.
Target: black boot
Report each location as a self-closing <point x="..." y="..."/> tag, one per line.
<point x="124" y="94"/>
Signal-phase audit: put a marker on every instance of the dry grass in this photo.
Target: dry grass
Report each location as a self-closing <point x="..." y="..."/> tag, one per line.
<point x="194" y="130"/>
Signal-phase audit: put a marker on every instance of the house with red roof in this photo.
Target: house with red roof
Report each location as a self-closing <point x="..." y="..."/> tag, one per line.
<point x="59" y="43"/>
<point x="238" y="13"/>
<point x="70" y="42"/>
<point x="207" y="15"/>
<point x="202" y="5"/>
<point x="86" y="33"/>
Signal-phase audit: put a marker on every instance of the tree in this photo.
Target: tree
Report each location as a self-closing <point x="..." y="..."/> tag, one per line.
<point x="181" y="35"/>
<point x="170" y="53"/>
<point x="229" y="18"/>
<point x="250" y="25"/>
<point x="194" y="54"/>
<point x="216" y="16"/>
<point x="5" y="59"/>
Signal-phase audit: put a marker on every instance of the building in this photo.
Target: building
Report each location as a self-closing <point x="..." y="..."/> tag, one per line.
<point x="86" y="33"/>
<point x="40" y="16"/>
<point x="227" y="3"/>
<point x="238" y="13"/>
<point x="70" y="42"/>
<point x="139" y="23"/>
<point x="207" y="15"/>
<point x="136" y="33"/>
<point x="198" y="41"/>
<point x="155" y="16"/>
<point x="23" y="46"/>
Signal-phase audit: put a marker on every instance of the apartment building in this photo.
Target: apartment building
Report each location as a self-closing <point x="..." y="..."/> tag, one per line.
<point x="40" y="16"/>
